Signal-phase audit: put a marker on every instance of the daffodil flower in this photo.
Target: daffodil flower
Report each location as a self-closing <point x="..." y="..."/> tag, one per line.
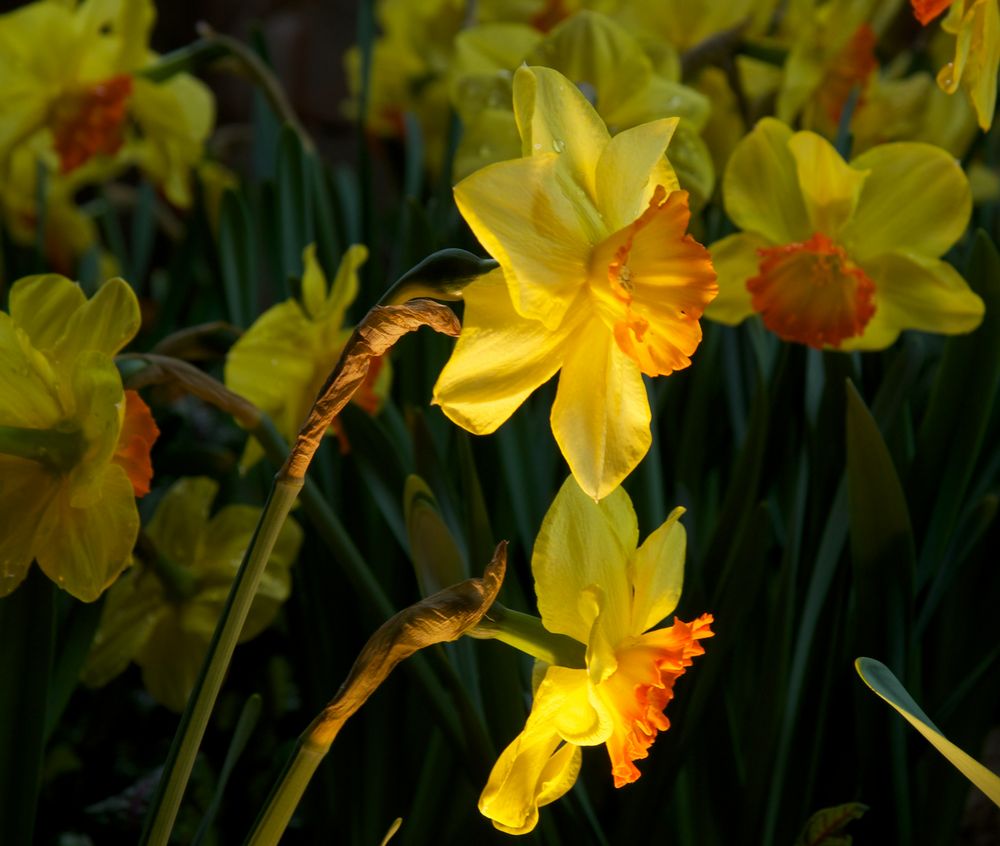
<point x="842" y="255"/>
<point x="598" y="281"/>
<point x="976" y="27"/>
<point x="71" y="75"/>
<point x="162" y="612"/>
<point x="596" y="587"/>
<point x="283" y="359"/>
<point x="74" y="445"/>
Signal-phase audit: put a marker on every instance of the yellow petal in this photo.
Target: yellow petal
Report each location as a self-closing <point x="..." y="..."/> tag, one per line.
<point x="105" y="323"/>
<point x="830" y="186"/>
<point x="553" y="116"/>
<point x="631" y="166"/>
<point x="177" y="527"/>
<point x="345" y="284"/>
<point x="600" y="417"/>
<point x="521" y="214"/>
<point x="735" y="260"/>
<point x="583" y="543"/>
<point x="916" y="198"/>
<point x="499" y="359"/>
<point x="171" y="660"/>
<point x="314" y="285"/>
<point x="29" y="389"/>
<point x="656" y="572"/>
<point x="916" y="292"/>
<point x="761" y="185"/>
<point x="41" y="305"/>
<point x="25" y="491"/>
<point x="490" y="137"/>
<point x="83" y="550"/>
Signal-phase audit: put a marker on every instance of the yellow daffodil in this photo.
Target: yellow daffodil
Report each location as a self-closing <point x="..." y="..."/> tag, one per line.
<point x="684" y="24"/>
<point x="598" y="280"/>
<point x="595" y="586"/>
<point x="842" y="255"/>
<point x="71" y="75"/>
<point x="74" y="446"/>
<point x="162" y="613"/>
<point x="284" y="358"/>
<point x="976" y="27"/>
<point x="605" y="62"/>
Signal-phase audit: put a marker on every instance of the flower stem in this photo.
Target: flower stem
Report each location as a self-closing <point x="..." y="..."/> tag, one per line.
<point x="287" y="793"/>
<point x="177" y="770"/>
<point x="525" y="632"/>
<point x="60" y="451"/>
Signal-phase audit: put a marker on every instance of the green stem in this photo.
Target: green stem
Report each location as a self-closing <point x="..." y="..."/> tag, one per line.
<point x="525" y="632"/>
<point x="166" y="802"/>
<point x="287" y="793"/>
<point x="60" y="451"/>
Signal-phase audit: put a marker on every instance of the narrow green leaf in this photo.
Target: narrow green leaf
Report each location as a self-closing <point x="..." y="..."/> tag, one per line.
<point x="826" y="827"/>
<point x="143" y="234"/>
<point x="881" y="680"/>
<point x="235" y="256"/>
<point x="294" y="206"/>
<point x="75" y="636"/>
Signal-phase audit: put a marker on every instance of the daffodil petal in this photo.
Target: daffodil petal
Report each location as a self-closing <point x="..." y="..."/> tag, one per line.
<point x="314" y="285"/>
<point x="521" y="214"/>
<point x="185" y="506"/>
<point x="344" y="289"/>
<point x="41" y="304"/>
<point x="916" y="292"/>
<point x="600" y="417"/>
<point x="761" y="185"/>
<point x="171" y="660"/>
<point x="583" y="543"/>
<point x="628" y="171"/>
<point x="553" y="116"/>
<point x="656" y="572"/>
<point x="499" y="359"/>
<point x="830" y="186"/>
<point x="100" y="409"/>
<point x="29" y="386"/>
<point x="105" y="323"/>
<point x="735" y="260"/>
<point x="916" y="198"/>
<point x="24" y="499"/>
<point x="86" y="549"/>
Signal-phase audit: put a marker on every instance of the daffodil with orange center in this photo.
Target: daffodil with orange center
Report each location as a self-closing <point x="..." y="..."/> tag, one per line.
<point x="842" y="255"/>
<point x="74" y="445"/>
<point x="976" y="27"/>
<point x="598" y="281"/>
<point x="598" y="587"/>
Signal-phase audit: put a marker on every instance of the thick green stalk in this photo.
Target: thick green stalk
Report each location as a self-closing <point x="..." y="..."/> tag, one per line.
<point x="526" y="633"/>
<point x="287" y="793"/>
<point x="180" y="761"/>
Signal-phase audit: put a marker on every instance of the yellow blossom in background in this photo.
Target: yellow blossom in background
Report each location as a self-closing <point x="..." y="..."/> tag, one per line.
<point x="598" y="281"/>
<point x="976" y="27"/>
<point x="596" y="585"/>
<point x="74" y="445"/>
<point x="281" y="362"/>
<point x="73" y="89"/>
<point x="842" y="255"/>
<point x="162" y="613"/>
<point x="604" y="61"/>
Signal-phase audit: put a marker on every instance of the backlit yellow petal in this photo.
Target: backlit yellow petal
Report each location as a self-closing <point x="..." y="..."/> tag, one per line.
<point x="916" y="292"/>
<point x="735" y="259"/>
<point x="171" y="659"/>
<point x="656" y="572"/>
<point x="761" y="186"/>
<point x="174" y="527"/>
<point x="830" y="186"/>
<point x="105" y="323"/>
<point x="600" y="417"/>
<point x="916" y="198"/>
<point x="345" y="284"/>
<point x="40" y="305"/>
<point x="499" y="359"/>
<point x="28" y="384"/>
<point x="314" y="284"/>
<point x="23" y="503"/>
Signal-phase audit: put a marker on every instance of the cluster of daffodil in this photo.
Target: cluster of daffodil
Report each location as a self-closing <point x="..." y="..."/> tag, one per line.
<point x="630" y="168"/>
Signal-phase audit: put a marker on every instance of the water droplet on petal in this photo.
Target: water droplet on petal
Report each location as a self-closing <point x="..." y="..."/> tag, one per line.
<point x="558" y="145"/>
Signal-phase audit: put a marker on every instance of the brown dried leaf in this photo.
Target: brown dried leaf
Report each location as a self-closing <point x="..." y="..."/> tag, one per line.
<point x="172" y="372"/>
<point x="443" y="616"/>
<point x="375" y="335"/>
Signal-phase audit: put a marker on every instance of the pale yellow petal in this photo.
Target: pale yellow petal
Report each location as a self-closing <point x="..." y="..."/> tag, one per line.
<point x="488" y="138"/>
<point x="26" y="489"/>
<point x="171" y="660"/>
<point x="916" y="292"/>
<point x="105" y="323"/>
<point x="916" y="198"/>
<point x="500" y="358"/>
<point x="600" y="417"/>
<point x="761" y="185"/>
<point x="735" y="260"/>
<point x="314" y="285"/>
<point x="830" y="186"/>
<point x="631" y="166"/>
<point x="41" y="305"/>
<point x="656" y="572"/>
<point x="83" y="550"/>
<point x="177" y="527"/>
<point x="345" y="284"/>
<point x="28" y="385"/>
<point x="583" y="543"/>
<point x="554" y="116"/>
<point x="521" y="214"/>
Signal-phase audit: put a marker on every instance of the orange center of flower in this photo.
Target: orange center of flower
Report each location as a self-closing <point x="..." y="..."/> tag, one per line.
<point x="655" y="284"/>
<point x="926" y="10"/>
<point x="90" y="121"/>
<point x="139" y="433"/>
<point x="811" y="292"/>
<point x="641" y="687"/>
<point x="551" y="13"/>
<point x="850" y="68"/>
